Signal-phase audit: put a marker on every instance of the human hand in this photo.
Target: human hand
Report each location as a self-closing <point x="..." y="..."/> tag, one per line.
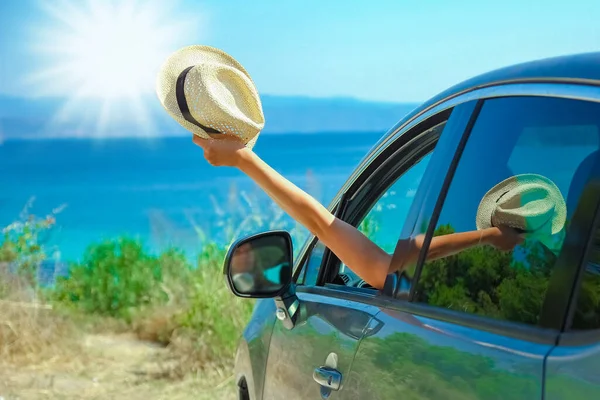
<point x="227" y="150"/>
<point x="503" y="238"/>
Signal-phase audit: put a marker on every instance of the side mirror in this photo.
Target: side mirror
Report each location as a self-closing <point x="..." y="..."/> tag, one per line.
<point x="260" y="266"/>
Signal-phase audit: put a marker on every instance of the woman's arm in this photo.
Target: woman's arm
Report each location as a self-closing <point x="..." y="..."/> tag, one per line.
<point x="354" y="249"/>
<point x="351" y="246"/>
<point x="447" y="245"/>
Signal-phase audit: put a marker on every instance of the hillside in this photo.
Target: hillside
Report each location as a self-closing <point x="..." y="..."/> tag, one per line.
<point x="22" y="118"/>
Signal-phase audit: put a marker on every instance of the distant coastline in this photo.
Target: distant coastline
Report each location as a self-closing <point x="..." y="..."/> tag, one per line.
<point x="24" y="118"/>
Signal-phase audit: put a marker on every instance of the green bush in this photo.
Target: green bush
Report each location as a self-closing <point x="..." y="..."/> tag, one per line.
<point x="22" y="249"/>
<point x="163" y="297"/>
<point x="118" y="277"/>
<point x="21" y="246"/>
<point x="214" y="315"/>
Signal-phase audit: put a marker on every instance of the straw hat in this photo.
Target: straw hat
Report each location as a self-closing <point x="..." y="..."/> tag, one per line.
<point x="530" y="203"/>
<point x="209" y="93"/>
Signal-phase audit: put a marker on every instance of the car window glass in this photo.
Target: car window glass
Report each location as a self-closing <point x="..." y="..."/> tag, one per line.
<point x="551" y="138"/>
<point x="385" y="220"/>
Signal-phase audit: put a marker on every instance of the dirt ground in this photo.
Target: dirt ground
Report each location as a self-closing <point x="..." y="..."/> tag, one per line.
<point x="112" y="367"/>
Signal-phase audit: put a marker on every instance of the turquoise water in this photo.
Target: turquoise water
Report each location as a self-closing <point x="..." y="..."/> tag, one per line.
<point x="162" y="190"/>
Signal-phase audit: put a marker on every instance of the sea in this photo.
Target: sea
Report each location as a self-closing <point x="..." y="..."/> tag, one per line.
<point x="161" y="191"/>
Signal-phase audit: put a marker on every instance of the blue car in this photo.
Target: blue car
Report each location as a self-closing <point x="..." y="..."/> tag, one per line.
<point x="479" y="324"/>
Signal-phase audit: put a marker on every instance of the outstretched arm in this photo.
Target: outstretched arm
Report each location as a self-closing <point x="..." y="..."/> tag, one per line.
<point x="444" y="246"/>
<point x="354" y="249"/>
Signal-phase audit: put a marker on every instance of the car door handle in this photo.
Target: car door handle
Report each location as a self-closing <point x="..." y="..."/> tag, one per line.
<point x="328" y="377"/>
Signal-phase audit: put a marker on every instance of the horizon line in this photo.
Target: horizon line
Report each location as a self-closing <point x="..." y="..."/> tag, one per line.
<point x="263" y="95"/>
<point x="27" y="138"/>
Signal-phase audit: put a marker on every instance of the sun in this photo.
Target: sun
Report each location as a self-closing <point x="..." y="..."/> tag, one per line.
<point x="107" y="51"/>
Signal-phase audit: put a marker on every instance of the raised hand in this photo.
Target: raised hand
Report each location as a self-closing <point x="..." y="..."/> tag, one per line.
<point x="226" y="150"/>
<point x="504" y="238"/>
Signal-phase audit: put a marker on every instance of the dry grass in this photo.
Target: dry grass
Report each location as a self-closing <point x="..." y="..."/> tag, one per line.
<point x="119" y="367"/>
<point x="32" y="333"/>
<point x="157" y="325"/>
<point x="55" y="353"/>
<point x="46" y="354"/>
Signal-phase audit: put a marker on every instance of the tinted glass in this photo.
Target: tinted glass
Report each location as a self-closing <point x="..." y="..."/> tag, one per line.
<point x="386" y="218"/>
<point x="490" y="274"/>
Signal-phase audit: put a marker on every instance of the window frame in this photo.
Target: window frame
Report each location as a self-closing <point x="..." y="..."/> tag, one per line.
<point x="559" y="295"/>
<point x="392" y="151"/>
<point x="382" y="153"/>
<point x="382" y="174"/>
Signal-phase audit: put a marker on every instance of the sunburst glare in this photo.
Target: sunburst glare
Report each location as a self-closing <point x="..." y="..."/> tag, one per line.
<point x="104" y="56"/>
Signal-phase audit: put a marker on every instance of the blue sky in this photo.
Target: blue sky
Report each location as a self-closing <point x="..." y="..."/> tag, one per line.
<point x="402" y="50"/>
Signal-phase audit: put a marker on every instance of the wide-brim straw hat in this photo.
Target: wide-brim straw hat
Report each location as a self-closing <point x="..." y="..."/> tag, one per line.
<point x="530" y="203"/>
<point x="209" y="93"/>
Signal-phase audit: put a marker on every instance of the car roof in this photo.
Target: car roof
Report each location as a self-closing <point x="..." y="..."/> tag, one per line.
<point x="581" y="68"/>
<point x="577" y="68"/>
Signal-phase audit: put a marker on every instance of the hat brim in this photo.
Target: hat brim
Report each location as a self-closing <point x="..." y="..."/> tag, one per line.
<point x="488" y="202"/>
<point x="174" y="65"/>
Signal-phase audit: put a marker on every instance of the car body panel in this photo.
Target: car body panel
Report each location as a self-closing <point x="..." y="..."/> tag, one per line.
<point x="572" y="372"/>
<point x="253" y="349"/>
<point x="416" y="357"/>
<point x="325" y="325"/>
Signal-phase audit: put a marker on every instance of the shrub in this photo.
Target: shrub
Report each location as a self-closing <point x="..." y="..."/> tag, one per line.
<point x="21" y="246"/>
<point x="163" y="298"/>
<point x="117" y="277"/>
<point x="214" y="316"/>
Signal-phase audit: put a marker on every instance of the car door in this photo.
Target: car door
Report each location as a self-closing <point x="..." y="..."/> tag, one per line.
<point x="479" y="324"/>
<point x="330" y="325"/>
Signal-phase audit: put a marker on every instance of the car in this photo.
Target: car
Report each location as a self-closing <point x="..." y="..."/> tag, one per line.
<point x="480" y="324"/>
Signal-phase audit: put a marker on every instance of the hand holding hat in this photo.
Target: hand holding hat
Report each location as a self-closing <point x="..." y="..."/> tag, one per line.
<point x="210" y="94"/>
<point x="529" y="203"/>
<point x="227" y="152"/>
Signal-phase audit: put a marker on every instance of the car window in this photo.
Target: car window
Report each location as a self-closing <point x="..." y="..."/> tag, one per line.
<point x="385" y="220"/>
<point x="551" y="140"/>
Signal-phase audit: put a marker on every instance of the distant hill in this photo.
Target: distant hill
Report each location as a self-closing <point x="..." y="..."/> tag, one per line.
<point x="22" y="118"/>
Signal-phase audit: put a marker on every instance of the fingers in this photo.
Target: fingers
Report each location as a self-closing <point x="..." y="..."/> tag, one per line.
<point x="227" y="138"/>
<point x="201" y="142"/>
<point x="198" y="141"/>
